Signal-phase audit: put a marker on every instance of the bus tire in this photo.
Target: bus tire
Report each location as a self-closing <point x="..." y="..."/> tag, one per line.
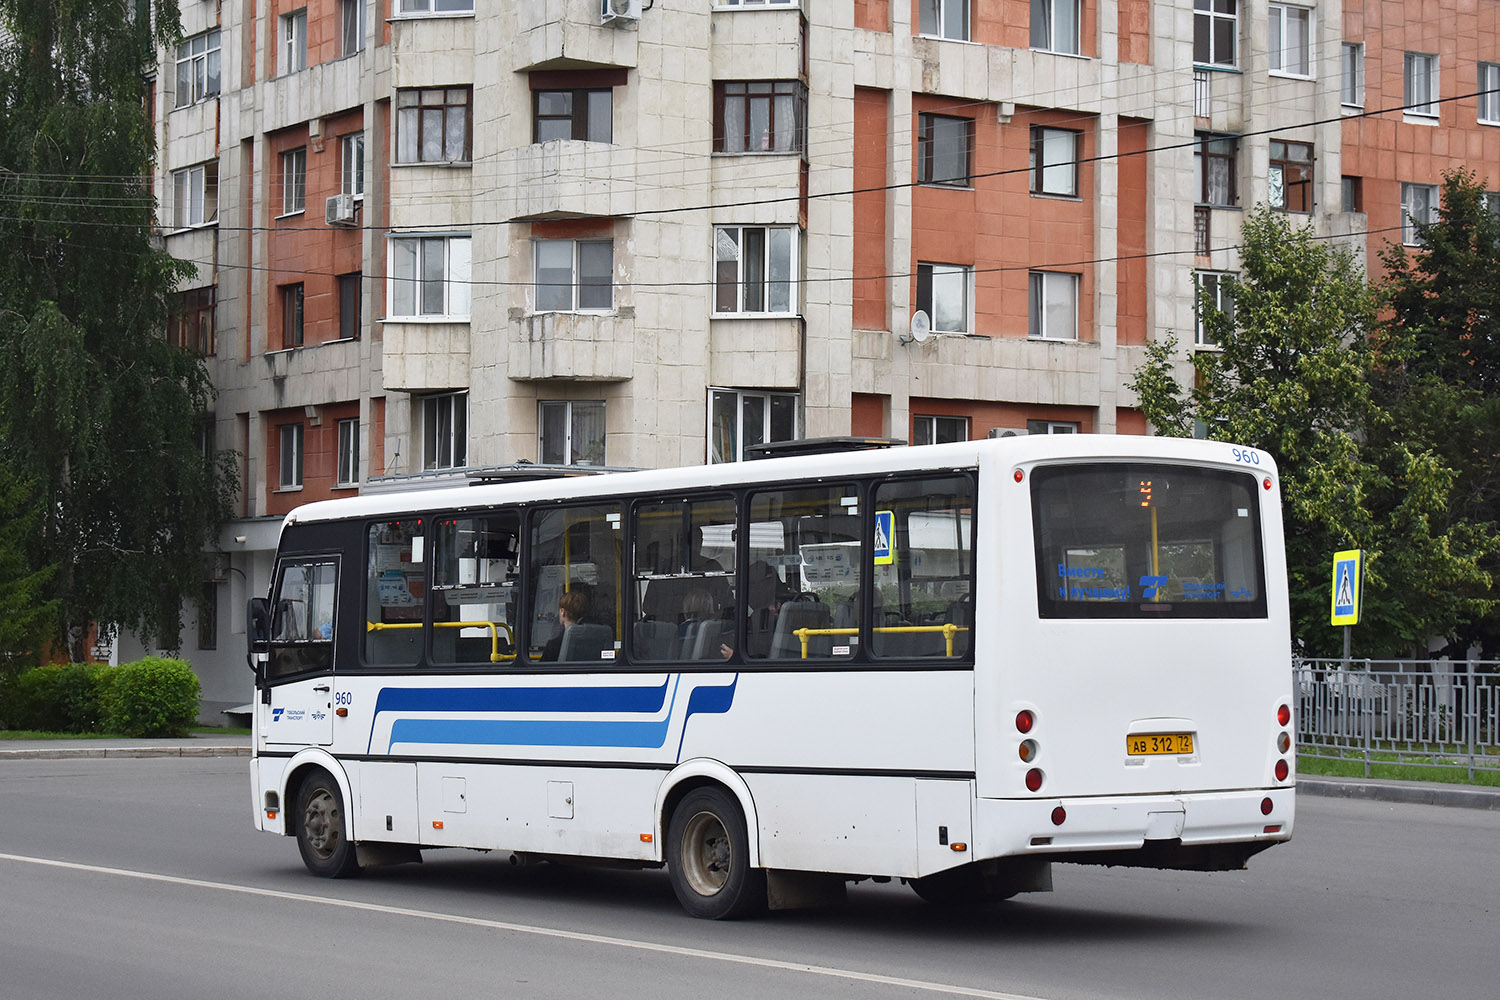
<point x="966" y="885"/>
<point x="708" y="857"/>
<point x="322" y="833"/>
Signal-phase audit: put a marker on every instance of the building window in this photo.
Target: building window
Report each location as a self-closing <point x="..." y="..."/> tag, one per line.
<point x="1351" y="195"/>
<point x="1352" y="87"/>
<point x="208" y="616"/>
<point x="574" y="275"/>
<point x="945" y="149"/>
<point x="571" y="432"/>
<point x="352" y="26"/>
<point x="1213" y="169"/>
<point x="755" y="269"/>
<point x="1213" y="288"/>
<point x="445" y="431"/>
<point x="432" y="125"/>
<point x="437" y="6"/>
<point x="738" y="419"/>
<point x="1051" y="427"/>
<point x="348" y="452"/>
<point x="197" y="69"/>
<point x="291" y="456"/>
<point x="1054" y="161"/>
<point x="760" y="116"/>
<point x="352" y="164"/>
<point x="1419" y="203"/>
<point x="1489" y="93"/>
<point x="945" y="293"/>
<point x="351" y="320"/>
<point x="1052" y="305"/>
<point x="192" y="325"/>
<point x="1290" y="44"/>
<point x="294" y="41"/>
<point x="294" y="181"/>
<point x="195" y="195"/>
<point x="430" y="276"/>
<point x="573" y="114"/>
<point x="1420" y="84"/>
<point x="938" y="430"/>
<point x="1054" y="26"/>
<point x="1216" y="32"/>
<point x="291" y="315"/>
<point x="1290" y="180"/>
<point x="943" y="19"/>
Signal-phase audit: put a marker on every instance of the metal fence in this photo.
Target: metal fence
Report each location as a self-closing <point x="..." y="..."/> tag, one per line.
<point x="1435" y="713"/>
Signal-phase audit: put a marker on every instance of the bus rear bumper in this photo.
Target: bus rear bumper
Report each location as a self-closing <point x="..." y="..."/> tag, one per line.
<point x="1199" y="831"/>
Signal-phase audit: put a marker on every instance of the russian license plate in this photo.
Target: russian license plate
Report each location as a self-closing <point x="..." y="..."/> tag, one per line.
<point x="1146" y="744"/>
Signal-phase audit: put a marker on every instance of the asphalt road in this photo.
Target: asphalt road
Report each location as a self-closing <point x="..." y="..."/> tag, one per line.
<point x="126" y="878"/>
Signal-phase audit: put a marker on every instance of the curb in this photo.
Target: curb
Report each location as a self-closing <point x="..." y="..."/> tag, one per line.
<point x="97" y="752"/>
<point x="1425" y="794"/>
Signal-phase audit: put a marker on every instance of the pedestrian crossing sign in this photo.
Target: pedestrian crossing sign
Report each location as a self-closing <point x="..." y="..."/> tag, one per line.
<point x="885" y="537"/>
<point x="1348" y="586"/>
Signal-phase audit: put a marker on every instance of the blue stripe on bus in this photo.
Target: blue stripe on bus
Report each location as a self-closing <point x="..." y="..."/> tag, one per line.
<point x="523" y="699"/>
<point x="525" y="733"/>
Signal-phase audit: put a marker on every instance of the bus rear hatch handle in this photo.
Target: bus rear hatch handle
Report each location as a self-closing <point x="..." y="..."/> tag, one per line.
<point x="322" y="687"/>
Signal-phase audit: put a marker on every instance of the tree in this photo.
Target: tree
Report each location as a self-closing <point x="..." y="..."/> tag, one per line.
<point x="25" y="614"/>
<point x="100" y="414"/>
<point x="1291" y="377"/>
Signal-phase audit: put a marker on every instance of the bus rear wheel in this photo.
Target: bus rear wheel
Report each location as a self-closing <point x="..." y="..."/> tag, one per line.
<point x="708" y="857"/>
<point x="322" y="836"/>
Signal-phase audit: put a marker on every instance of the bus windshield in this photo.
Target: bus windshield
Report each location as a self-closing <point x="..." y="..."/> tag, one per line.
<point x="1147" y="541"/>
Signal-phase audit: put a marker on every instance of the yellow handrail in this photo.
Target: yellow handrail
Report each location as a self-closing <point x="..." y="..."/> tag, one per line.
<point x="495" y="655"/>
<point x="948" y="629"/>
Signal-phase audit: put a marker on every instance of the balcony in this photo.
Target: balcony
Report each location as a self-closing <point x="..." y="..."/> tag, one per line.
<point x="587" y="347"/>
<point x="567" y="34"/>
<point x="565" y="178"/>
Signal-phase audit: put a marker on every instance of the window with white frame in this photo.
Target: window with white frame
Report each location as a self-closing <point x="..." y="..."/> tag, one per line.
<point x="437" y="6"/>
<point x="352" y="164"/>
<point x="294" y="41"/>
<point x="1352" y="77"/>
<point x="197" y="69"/>
<point x="945" y="150"/>
<point x="351" y="26"/>
<point x="1054" y="160"/>
<point x="432" y="125"/>
<point x="1420" y="84"/>
<point x="195" y="195"/>
<point x="1213" y="169"/>
<point x="574" y="275"/>
<point x="741" y="418"/>
<point x="570" y="432"/>
<point x="429" y="277"/>
<point x="1054" y="25"/>
<point x="1489" y="93"/>
<point x="294" y="181"/>
<point x="1216" y="31"/>
<point x="291" y="457"/>
<point x="348" y="474"/>
<point x="757" y="3"/>
<point x="1051" y="427"/>
<point x="945" y="292"/>
<point x="1419" y="204"/>
<point x="755" y="270"/>
<point x="1290" y="39"/>
<point x="943" y="19"/>
<point x="927" y="429"/>
<point x="1052" y="305"/>
<point x="445" y="430"/>
<point x="1214" y="291"/>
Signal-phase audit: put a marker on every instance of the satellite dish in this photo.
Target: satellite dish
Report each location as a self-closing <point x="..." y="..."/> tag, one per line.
<point x="921" y="326"/>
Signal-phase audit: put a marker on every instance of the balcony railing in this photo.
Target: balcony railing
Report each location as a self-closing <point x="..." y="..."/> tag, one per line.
<point x="1201" y="216"/>
<point x="1202" y="106"/>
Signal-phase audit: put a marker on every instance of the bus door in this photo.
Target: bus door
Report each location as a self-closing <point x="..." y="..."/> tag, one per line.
<point x="298" y="678"/>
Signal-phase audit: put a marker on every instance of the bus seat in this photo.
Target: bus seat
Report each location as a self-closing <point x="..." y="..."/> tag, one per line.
<point x="802" y="614"/>
<point x="702" y="639"/>
<point x="654" y="640"/>
<point x="586" y="642"/>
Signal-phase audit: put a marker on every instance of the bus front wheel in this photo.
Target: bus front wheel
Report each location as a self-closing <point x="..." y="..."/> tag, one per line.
<point x="708" y="857"/>
<point x="322" y="836"/>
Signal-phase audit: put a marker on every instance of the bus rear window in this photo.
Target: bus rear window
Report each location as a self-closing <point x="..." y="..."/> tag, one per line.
<point x="1147" y="541"/>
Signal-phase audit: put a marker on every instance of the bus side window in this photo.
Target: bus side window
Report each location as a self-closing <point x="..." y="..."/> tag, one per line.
<point x="803" y="581"/>
<point x="474" y="577"/>
<point x="303" y="619"/>
<point x="924" y="572"/>
<point x="395" y="582"/>
<point x="574" y="550"/>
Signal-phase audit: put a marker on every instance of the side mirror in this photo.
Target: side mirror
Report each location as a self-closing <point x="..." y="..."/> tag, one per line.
<point x="258" y="625"/>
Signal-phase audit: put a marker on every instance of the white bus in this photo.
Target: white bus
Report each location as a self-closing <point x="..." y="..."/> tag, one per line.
<point x="952" y="665"/>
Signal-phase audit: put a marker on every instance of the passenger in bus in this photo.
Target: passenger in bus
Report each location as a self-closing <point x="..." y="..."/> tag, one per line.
<point x="702" y="632"/>
<point x="571" y="609"/>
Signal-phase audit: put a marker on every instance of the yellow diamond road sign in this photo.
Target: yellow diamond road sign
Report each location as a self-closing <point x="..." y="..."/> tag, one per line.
<point x="1348" y="586"/>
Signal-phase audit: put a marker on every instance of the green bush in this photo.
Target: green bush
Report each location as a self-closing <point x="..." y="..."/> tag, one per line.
<point x="57" y="698"/>
<point x="154" y="696"/>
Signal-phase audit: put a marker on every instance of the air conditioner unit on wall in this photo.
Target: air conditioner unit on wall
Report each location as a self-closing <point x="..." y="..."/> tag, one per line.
<point x="1008" y="432"/>
<point x="619" y="11"/>
<point x="339" y="210"/>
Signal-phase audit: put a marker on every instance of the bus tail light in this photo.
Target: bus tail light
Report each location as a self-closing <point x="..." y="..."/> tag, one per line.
<point x="1283" y="715"/>
<point x="1025" y="719"/>
<point x="1284" y="742"/>
<point x="1059" y="816"/>
<point x="1282" y="770"/>
<point x="1028" y="750"/>
<point x="1034" y="779"/>
<point x="1266" y="805"/>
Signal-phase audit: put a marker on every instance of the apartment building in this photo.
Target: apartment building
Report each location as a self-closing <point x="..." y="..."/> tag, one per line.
<point x="436" y="235"/>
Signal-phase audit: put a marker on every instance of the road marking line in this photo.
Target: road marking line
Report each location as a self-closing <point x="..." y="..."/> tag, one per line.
<point x="501" y="925"/>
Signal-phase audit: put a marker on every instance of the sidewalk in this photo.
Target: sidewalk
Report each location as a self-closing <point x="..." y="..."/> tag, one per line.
<point x="1418" y="792"/>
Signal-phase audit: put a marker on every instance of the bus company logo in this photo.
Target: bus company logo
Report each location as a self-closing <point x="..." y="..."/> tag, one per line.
<point x="1150" y="585"/>
<point x="276" y="714"/>
<point x="291" y="715"/>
